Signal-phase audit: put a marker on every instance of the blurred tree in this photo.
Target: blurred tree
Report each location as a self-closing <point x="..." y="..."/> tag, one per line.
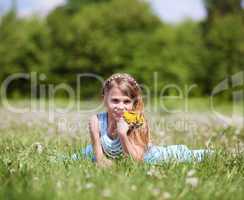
<point x="173" y="52"/>
<point x="223" y="34"/>
<point x="222" y="7"/>
<point x="107" y="36"/>
<point x="61" y="38"/>
<point x="226" y="48"/>
<point x="8" y="23"/>
<point x="24" y="50"/>
<point x="97" y="43"/>
<point x="74" y="6"/>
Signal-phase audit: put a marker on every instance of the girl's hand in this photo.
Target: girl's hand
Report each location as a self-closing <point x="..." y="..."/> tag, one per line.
<point x="122" y="127"/>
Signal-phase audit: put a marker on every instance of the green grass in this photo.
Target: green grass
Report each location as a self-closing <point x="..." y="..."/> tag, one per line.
<point x="29" y="174"/>
<point x="29" y="168"/>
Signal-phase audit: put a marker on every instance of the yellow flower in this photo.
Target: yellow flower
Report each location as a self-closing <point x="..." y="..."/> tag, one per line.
<point x="133" y="118"/>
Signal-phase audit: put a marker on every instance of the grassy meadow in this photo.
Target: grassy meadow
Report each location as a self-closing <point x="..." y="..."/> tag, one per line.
<point x="31" y="142"/>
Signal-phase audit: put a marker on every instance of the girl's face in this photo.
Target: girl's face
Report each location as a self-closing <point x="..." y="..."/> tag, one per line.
<point x="116" y="103"/>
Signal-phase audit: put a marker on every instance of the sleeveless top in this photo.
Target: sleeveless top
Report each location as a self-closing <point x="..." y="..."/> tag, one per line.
<point x="111" y="147"/>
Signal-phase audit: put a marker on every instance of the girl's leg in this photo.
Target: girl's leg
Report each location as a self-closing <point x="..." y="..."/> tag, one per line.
<point x="199" y="154"/>
<point x="180" y="153"/>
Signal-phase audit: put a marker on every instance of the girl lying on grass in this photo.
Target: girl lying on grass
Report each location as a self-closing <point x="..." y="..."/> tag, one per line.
<point x="123" y="129"/>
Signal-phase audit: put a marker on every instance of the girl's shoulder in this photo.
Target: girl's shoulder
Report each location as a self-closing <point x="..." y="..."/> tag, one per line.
<point x="102" y="115"/>
<point x="98" y="118"/>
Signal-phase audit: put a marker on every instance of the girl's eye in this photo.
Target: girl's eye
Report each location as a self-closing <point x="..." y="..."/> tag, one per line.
<point x="115" y="100"/>
<point x="127" y="101"/>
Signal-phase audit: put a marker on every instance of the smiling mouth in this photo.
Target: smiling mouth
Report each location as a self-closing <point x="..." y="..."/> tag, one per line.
<point x="119" y="114"/>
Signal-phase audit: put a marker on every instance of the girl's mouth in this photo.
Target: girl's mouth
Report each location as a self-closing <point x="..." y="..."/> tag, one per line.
<point x="119" y="114"/>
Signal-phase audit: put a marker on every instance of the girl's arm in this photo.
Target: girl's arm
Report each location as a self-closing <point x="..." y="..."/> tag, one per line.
<point x="96" y="144"/>
<point x="129" y="147"/>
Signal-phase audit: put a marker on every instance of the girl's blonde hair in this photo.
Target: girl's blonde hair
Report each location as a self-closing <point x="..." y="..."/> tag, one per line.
<point x="129" y="87"/>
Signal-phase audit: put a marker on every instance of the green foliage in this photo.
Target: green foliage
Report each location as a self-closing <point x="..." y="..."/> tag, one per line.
<point x="24" y="45"/>
<point x="107" y="36"/>
<point x="224" y="30"/>
<point x="222" y="7"/>
<point x="73" y="6"/>
<point x="226" y="40"/>
<point x="97" y="43"/>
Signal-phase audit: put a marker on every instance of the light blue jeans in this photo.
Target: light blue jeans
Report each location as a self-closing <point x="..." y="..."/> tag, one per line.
<point x="180" y="153"/>
<point x="157" y="154"/>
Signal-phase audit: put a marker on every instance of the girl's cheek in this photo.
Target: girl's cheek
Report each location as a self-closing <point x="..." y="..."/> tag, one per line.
<point x="112" y="105"/>
<point x="130" y="106"/>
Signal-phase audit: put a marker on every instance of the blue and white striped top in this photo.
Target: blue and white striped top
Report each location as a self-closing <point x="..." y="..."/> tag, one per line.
<point x="112" y="148"/>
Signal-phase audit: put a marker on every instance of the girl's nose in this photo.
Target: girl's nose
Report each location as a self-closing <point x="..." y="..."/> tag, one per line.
<point x="121" y="106"/>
